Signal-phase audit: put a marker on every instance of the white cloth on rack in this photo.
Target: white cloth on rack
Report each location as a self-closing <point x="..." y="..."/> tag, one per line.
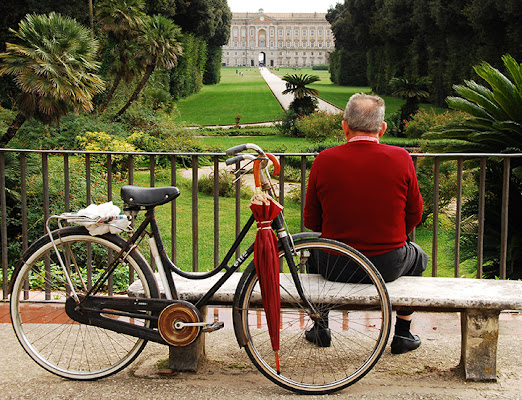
<point x="100" y="219"/>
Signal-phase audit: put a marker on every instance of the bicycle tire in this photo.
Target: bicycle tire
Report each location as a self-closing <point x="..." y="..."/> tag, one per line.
<point x="37" y="304"/>
<point x="359" y="333"/>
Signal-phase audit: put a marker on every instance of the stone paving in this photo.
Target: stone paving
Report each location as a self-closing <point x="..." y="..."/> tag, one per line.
<point x="277" y="86"/>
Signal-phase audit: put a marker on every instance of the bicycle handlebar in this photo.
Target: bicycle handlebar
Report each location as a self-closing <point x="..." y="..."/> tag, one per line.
<point x="257" y="160"/>
<point x="242" y="147"/>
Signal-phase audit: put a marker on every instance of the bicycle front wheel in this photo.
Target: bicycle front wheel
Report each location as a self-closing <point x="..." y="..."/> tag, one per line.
<point x="39" y="293"/>
<point x="352" y="320"/>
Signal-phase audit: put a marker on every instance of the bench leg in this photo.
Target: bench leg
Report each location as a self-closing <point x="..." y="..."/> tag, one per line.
<point x="479" y="344"/>
<point x="188" y="358"/>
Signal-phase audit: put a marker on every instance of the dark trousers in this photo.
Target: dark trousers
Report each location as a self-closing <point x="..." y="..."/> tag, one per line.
<point x="408" y="260"/>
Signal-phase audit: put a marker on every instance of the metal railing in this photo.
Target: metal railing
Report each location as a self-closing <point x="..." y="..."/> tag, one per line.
<point x="91" y="169"/>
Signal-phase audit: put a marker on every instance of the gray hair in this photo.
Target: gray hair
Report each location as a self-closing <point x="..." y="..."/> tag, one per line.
<point x="364" y="113"/>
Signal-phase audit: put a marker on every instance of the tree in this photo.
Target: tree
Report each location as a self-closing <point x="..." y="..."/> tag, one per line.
<point x="412" y="90"/>
<point x="159" y="46"/>
<point x="121" y="21"/>
<point x="494" y="126"/>
<point x="53" y="61"/>
<point x="305" y="101"/>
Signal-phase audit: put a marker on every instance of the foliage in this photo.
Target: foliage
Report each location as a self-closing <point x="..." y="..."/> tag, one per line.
<point x="436" y="38"/>
<point x="321" y="126"/>
<point x="226" y="185"/>
<point x="120" y="21"/>
<point x="159" y="46"/>
<point x="426" y="120"/>
<point x="288" y="124"/>
<point x="53" y="59"/>
<point x="298" y="85"/>
<point x="412" y="90"/>
<point x="303" y="105"/>
<point x="320" y="67"/>
<point x="212" y="73"/>
<point x="447" y="184"/>
<point x="187" y="77"/>
<point x="101" y="141"/>
<point x="493" y="125"/>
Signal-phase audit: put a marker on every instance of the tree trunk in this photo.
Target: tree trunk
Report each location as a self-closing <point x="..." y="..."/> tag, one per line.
<point x="117" y="80"/>
<point x="13" y="128"/>
<point x="148" y="72"/>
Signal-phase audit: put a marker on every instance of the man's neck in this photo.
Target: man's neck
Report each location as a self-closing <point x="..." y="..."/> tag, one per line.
<point x="360" y="136"/>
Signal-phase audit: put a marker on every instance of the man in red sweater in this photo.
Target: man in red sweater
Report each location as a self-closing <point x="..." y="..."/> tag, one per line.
<point x="366" y="195"/>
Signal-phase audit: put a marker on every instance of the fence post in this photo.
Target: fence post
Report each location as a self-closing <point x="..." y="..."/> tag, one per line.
<point x="3" y="228"/>
<point x="504" y="218"/>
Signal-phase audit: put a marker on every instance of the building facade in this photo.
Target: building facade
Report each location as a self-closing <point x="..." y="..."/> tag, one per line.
<point x="278" y="40"/>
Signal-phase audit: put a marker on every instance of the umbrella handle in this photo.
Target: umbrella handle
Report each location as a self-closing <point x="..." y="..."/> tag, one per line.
<point x="257" y="169"/>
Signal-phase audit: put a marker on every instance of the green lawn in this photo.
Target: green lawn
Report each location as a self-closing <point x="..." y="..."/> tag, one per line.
<point x="218" y="104"/>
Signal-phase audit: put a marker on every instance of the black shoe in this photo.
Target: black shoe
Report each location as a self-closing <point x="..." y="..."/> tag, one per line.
<point x="402" y="344"/>
<point x="319" y="336"/>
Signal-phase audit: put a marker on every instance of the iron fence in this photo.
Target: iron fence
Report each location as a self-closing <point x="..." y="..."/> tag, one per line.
<point x="18" y="181"/>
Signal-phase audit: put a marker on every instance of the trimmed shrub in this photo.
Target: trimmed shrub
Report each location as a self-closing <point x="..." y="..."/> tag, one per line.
<point x="321" y="126"/>
<point x="425" y="120"/>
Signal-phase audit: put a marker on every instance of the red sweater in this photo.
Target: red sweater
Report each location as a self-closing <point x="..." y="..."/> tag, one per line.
<point x="364" y="194"/>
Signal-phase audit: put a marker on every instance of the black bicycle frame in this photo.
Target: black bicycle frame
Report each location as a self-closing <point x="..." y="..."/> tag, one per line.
<point x="91" y="307"/>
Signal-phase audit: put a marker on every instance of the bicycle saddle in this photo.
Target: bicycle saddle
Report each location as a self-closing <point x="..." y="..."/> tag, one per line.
<point x="136" y="197"/>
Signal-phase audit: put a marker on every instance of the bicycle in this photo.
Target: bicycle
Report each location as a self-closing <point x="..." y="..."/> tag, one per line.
<point x="72" y="312"/>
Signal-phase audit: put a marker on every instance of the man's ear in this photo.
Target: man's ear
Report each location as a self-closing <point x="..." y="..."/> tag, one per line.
<point x="383" y="129"/>
<point x="346" y="129"/>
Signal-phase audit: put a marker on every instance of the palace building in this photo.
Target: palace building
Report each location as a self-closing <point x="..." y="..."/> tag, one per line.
<point x="278" y="40"/>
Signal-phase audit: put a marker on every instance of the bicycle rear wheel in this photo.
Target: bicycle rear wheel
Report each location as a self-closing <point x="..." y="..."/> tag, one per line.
<point x="356" y="316"/>
<point x="39" y="292"/>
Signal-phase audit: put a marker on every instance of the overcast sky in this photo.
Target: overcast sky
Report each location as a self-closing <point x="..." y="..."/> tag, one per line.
<point x="281" y="6"/>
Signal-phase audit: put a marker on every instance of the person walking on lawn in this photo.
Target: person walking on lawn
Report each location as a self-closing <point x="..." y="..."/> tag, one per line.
<point x="366" y="195"/>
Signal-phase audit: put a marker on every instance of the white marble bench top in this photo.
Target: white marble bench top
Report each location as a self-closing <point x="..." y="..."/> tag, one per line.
<point x="423" y="293"/>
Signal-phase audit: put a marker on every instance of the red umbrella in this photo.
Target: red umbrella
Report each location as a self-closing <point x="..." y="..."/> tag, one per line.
<point x="265" y="209"/>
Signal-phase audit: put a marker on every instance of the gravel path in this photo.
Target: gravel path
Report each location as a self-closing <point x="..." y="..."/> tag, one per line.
<point x="428" y="373"/>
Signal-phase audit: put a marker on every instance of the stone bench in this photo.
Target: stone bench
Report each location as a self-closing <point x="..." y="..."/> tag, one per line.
<point x="478" y="301"/>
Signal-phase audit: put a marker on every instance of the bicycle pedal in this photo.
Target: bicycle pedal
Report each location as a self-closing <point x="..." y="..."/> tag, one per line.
<point x="214" y="326"/>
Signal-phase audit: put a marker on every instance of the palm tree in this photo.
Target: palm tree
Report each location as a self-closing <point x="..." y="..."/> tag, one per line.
<point x="305" y="101"/>
<point x="494" y="125"/>
<point x="121" y="21"/>
<point x="412" y="90"/>
<point x="160" y="47"/>
<point x="495" y="113"/>
<point x="53" y="61"/>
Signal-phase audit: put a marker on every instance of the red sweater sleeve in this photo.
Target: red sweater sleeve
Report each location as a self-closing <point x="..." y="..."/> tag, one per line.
<point x="313" y="211"/>
<point x="414" y="202"/>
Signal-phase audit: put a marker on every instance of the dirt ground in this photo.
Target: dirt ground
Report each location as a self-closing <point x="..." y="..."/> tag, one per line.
<point x="427" y="373"/>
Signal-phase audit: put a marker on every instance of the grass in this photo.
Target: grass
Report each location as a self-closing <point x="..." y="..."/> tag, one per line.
<point x="218" y="104"/>
<point x="339" y="95"/>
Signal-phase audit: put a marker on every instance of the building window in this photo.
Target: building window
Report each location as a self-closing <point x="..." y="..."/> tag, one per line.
<point x="235" y="43"/>
<point x="304" y="31"/>
<point x="288" y="32"/>
<point x="252" y="31"/>
<point x="287" y="44"/>
<point x="243" y="32"/>
<point x="304" y="44"/>
<point x="280" y="32"/>
<point x="312" y="44"/>
<point x="296" y="32"/>
<point x="280" y="44"/>
<point x="328" y="44"/>
<point x="320" y="44"/>
<point x="271" y="43"/>
<point x="320" y="32"/>
<point x="312" y="32"/>
<point x="296" y="44"/>
<point x="272" y="32"/>
<point x="235" y="31"/>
